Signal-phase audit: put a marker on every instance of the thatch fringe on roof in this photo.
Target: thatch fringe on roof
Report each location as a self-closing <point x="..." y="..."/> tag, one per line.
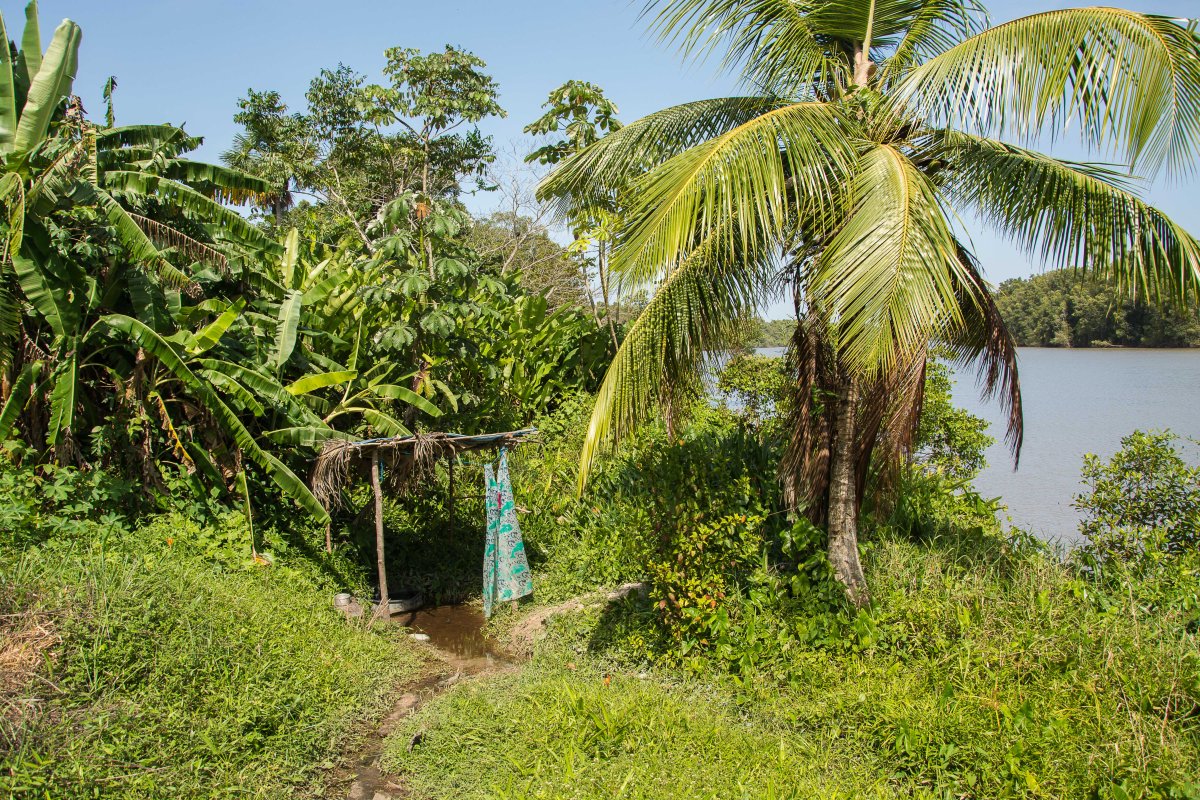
<point x="406" y="460"/>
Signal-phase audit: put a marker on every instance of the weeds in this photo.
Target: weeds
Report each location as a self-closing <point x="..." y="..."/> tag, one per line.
<point x="179" y="676"/>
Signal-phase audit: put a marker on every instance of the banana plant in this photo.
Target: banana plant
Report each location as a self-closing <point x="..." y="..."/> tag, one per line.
<point x="366" y="399"/>
<point x="282" y="366"/>
<point x="80" y="313"/>
<point x="203" y="390"/>
<point x="52" y="156"/>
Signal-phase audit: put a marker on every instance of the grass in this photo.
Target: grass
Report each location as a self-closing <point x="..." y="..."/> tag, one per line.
<point x="174" y="666"/>
<point x="983" y="671"/>
<point x="551" y="732"/>
<point x="175" y="676"/>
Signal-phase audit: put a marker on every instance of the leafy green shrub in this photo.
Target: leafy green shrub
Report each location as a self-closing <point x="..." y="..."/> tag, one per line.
<point x="694" y="571"/>
<point x="1143" y="502"/>
<point x="44" y="501"/>
<point x="574" y="543"/>
<point x="713" y="471"/>
<point x="950" y="440"/>
<point x="928" y="504"/>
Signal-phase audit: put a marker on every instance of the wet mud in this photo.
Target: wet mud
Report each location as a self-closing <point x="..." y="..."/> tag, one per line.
<point x="455" y="634"/>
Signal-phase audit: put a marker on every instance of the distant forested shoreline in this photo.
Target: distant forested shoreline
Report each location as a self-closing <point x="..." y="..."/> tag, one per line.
<point x="1057" y="309"/>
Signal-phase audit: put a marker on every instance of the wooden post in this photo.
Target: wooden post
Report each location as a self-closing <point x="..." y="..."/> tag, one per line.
<point x="450" y="505"/>
<point x="381" y="610"/>
<point x="329" y="537"/>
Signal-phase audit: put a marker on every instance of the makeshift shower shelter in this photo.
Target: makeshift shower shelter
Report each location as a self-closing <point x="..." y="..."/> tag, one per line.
<point x="399" y="463"/>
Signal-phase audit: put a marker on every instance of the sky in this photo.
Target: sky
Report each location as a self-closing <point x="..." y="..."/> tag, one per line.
<point x="189" y="62"/>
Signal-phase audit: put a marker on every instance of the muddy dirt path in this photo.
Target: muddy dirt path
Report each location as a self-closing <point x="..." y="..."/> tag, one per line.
<point x="460" y="652"/>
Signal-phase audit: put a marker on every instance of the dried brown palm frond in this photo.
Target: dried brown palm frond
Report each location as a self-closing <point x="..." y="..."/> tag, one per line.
<point x="405" y="460"/>
<point x="166" y="236"/>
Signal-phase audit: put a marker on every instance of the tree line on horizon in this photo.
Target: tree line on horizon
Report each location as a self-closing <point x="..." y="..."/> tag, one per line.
<point x="1058" y="309"/>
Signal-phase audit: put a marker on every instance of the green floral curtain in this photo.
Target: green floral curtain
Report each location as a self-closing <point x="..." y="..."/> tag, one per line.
<point x="506" y="573"/>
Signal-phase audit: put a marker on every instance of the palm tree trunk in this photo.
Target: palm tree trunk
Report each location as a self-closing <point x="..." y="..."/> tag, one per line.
<point x="843" y="502"/>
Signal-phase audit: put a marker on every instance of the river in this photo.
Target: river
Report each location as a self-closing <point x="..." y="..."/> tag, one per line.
<point x="1077" y="402"/>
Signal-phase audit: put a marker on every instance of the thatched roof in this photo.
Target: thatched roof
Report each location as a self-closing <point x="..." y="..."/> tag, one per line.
<point x="406" y="459"/>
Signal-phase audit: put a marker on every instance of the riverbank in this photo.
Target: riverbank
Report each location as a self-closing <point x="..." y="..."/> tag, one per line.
<point x="171" y="659"/>
<point x="984" y="671"/>
<point x="985" y="667"/>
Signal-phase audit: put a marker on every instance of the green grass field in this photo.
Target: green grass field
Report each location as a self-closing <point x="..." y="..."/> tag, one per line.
<point x="171" y="676"/>
<point x="985" y="674"/>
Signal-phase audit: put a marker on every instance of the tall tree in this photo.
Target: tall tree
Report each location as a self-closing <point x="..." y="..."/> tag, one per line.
<point x="872" y="125"/>
<point x="580" y="114"/>
<point x="357" y="147"/>
<point x="521" y="244"/>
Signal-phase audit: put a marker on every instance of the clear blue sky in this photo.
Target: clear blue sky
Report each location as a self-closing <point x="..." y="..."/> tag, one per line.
<point x="189" y="62"/>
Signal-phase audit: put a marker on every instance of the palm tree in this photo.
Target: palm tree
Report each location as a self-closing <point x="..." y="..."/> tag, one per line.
<point x="872" y="125"/>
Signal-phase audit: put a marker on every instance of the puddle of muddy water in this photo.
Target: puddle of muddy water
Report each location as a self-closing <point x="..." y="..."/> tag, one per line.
<point x="458" y="632"/>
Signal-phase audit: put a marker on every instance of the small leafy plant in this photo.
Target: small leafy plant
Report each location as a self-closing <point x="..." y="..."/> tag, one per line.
<point x="1143" y="502"/>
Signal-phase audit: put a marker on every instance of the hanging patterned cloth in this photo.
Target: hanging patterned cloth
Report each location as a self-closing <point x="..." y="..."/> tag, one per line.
<point x="506" y="573"/>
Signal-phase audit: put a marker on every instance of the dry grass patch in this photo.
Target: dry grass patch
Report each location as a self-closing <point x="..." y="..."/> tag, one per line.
<point x="27" y="640"/>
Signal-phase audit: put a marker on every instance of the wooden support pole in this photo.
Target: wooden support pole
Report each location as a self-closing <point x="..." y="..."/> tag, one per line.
<point x="450" y="461"/>
<point x="381" y="610"/>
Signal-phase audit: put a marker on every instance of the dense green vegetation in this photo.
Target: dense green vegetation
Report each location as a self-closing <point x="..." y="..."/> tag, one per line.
<point x="993" y="673"/>
<point x="865" y="131"/>
<point x="1057" y="309"/>
<point x="160" y="354"/>
<point x="986" y="667"/>
<point x="164" y="661"/>
<point x="151" y="331"/>
<point x="828" y="608"/>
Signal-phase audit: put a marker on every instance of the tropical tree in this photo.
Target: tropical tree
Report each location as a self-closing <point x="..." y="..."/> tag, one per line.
<point x="519" y="243"/>
<point x="580" y="113"/>
<point x="872" y="126"/>
<point x="357" y="146"/>
<point x="110" y="233"/>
